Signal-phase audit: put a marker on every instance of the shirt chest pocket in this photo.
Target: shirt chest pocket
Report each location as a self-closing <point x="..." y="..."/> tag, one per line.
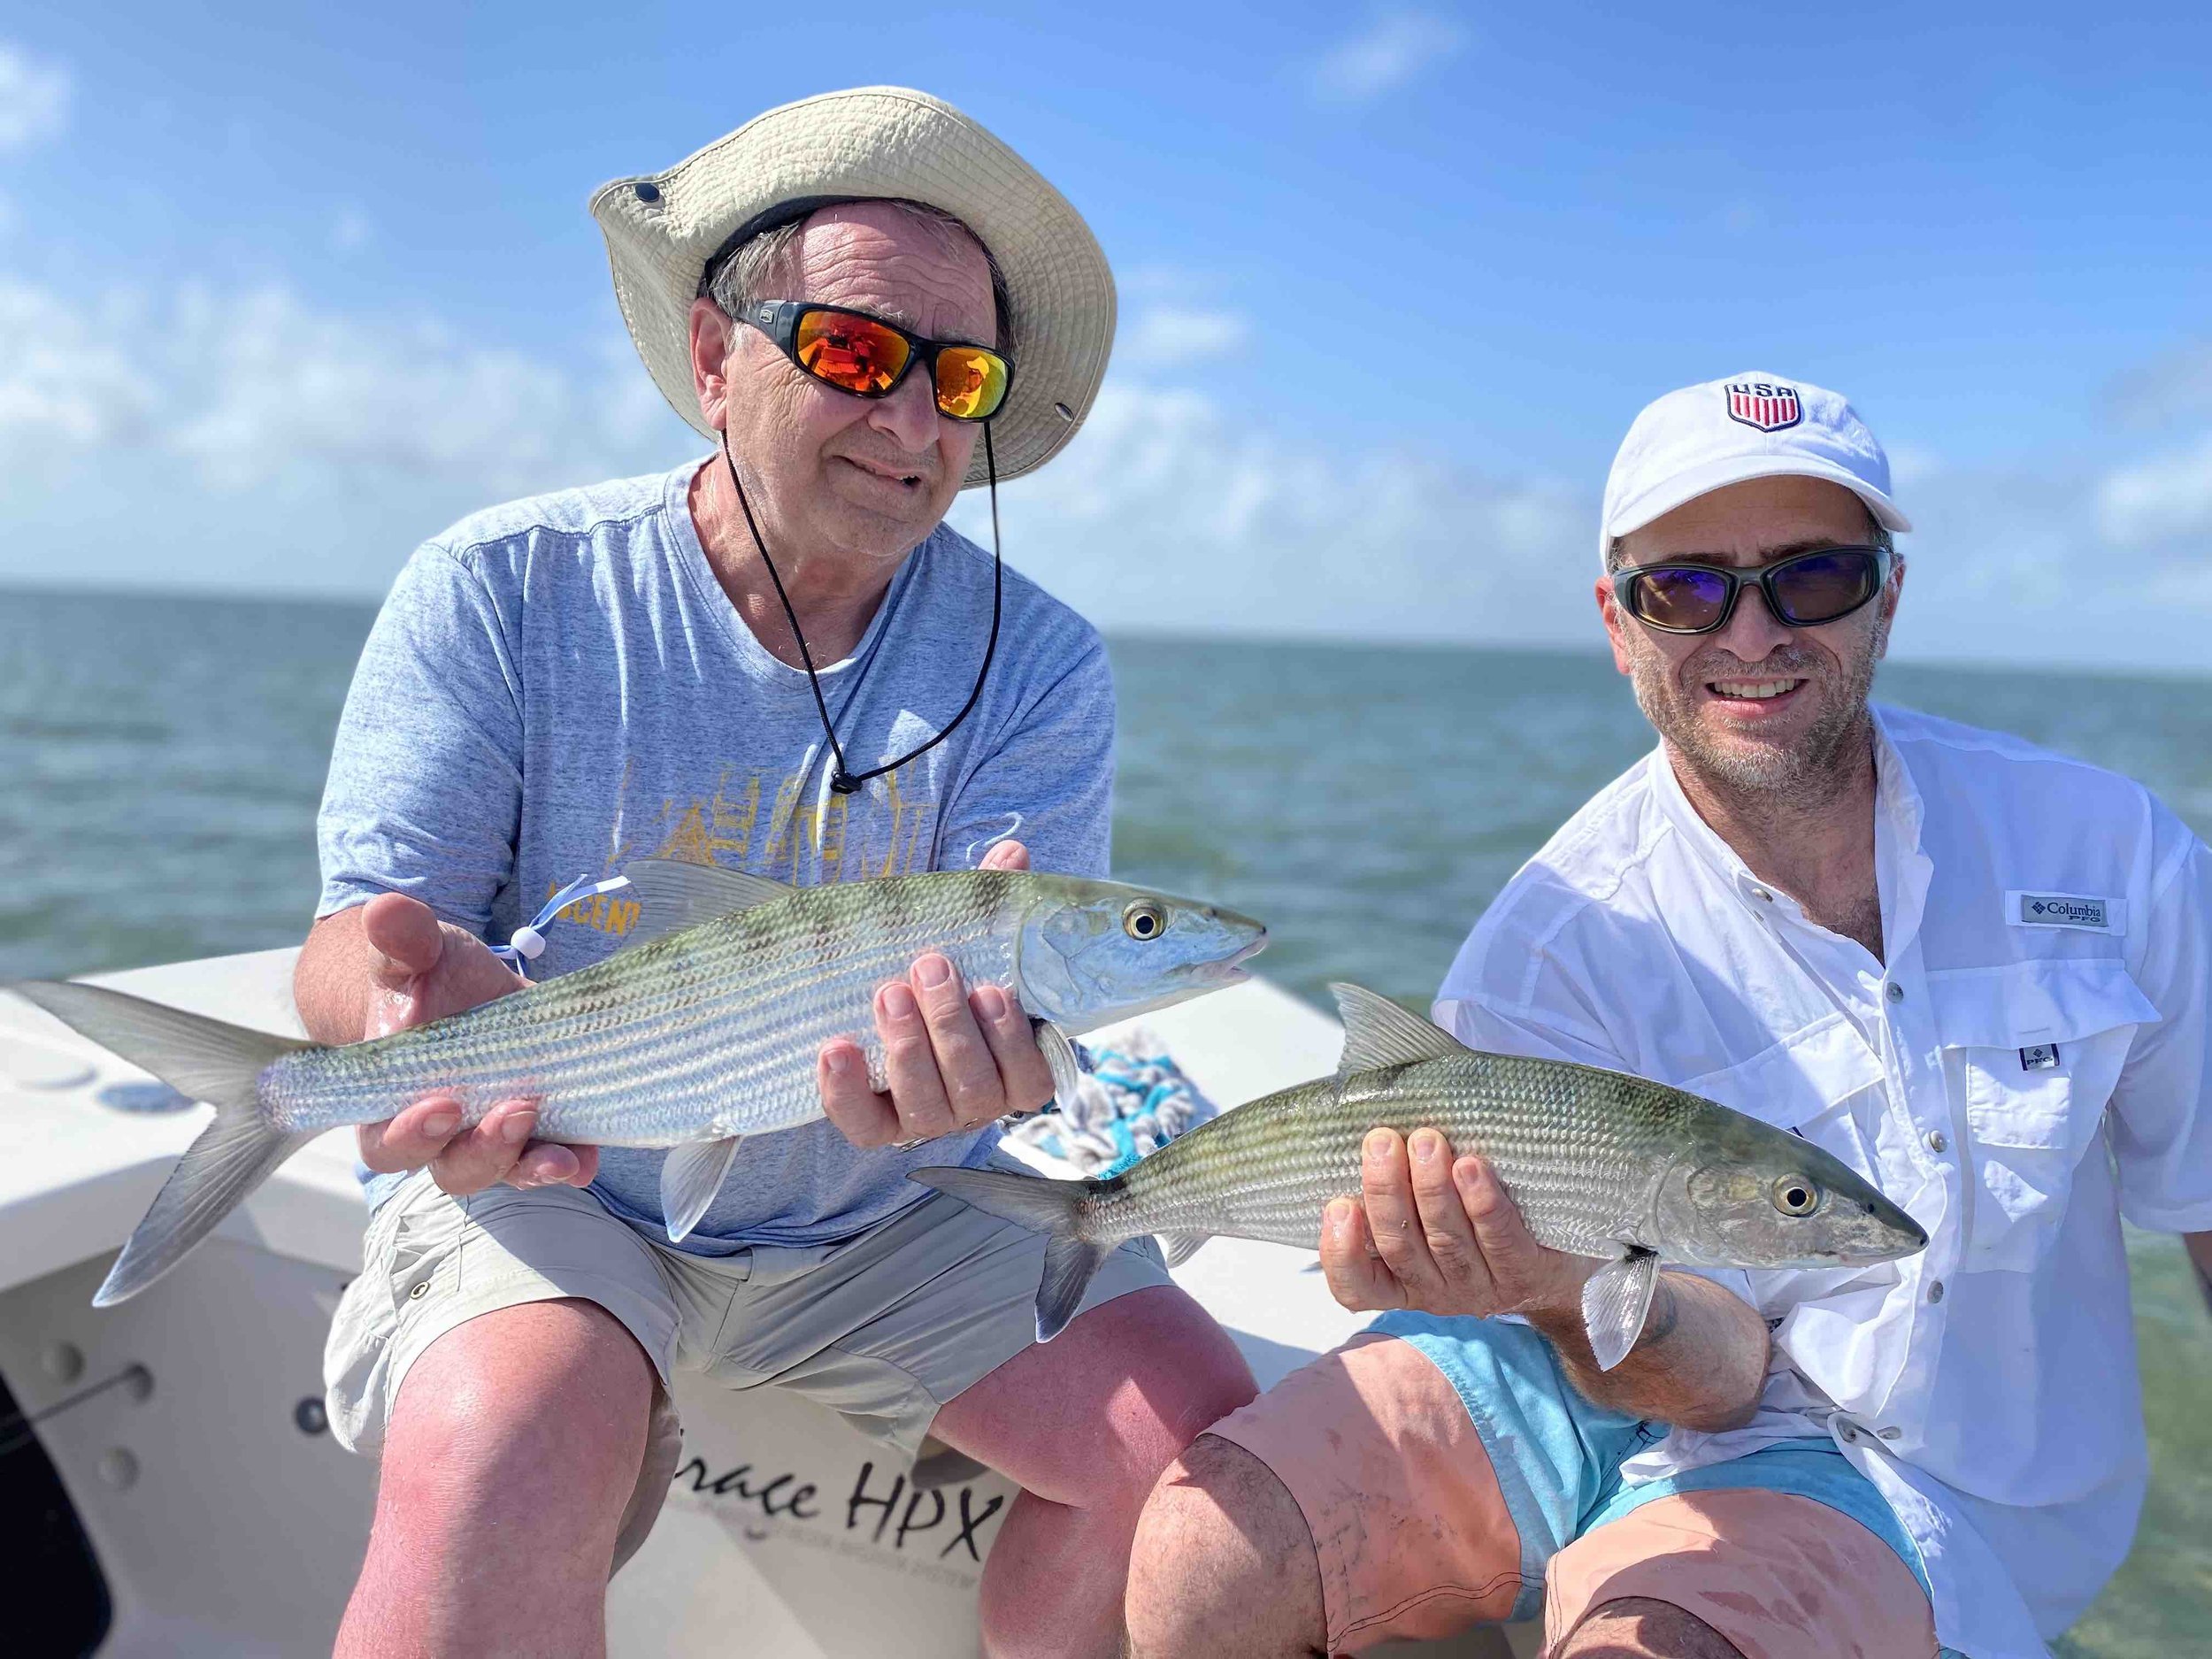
<point x="2032" y="1050"/>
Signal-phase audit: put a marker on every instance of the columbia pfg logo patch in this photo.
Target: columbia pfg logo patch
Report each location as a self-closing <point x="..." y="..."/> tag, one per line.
<point x="1764" y="404"/>
<point x="2062" y="910"/>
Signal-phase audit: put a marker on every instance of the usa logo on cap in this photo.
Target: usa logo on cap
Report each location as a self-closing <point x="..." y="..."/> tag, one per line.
<point x="1762" y="404"/>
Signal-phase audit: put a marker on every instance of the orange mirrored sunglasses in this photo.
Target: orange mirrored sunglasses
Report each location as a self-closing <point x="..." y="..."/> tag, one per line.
<point x="869" y="357"/>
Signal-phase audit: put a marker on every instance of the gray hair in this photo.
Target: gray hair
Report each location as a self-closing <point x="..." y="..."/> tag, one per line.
<point x="748" y="273"/>
<point x="1877" y="535"/>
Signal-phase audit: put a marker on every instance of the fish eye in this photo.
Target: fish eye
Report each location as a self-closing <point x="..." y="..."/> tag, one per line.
<point x="1796" y="1195"/>
<point x="1143" y="919"/>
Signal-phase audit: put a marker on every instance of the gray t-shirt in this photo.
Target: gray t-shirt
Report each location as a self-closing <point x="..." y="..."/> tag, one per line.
<point x="559" y="685"/>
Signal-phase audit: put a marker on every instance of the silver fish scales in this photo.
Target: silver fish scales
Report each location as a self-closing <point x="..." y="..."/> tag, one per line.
<point x="705" y="1030"/>
<point x="1574" y="1145"/>
<point x="701" y="1034"/>
<point x="1599" y="1164"/>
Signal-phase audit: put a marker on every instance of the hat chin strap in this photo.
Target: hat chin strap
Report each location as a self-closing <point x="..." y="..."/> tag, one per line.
<point x="843" y="781"/>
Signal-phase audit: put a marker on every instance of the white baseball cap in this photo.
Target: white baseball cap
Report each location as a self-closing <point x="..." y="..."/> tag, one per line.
<point x="1756" y="424"/>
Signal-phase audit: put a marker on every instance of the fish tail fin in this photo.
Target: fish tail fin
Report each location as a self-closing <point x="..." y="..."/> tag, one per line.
<point x="209" y="1060"/>
<point x="1043" y="1205"/>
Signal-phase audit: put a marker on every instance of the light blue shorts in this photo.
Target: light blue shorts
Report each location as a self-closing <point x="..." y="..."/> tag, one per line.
<point x="1558" y="1457"/>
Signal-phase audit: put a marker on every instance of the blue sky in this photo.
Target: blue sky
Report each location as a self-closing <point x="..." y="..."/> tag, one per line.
<point x="283" y="292"/>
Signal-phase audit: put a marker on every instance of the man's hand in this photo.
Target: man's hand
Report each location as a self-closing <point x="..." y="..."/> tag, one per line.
<point x="1442" y="1235"/>
<point x="957" y="1058"/>
<point x="421" y="969"/>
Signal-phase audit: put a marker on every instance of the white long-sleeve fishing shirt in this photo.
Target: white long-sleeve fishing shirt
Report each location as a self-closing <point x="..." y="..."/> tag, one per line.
<point x="2031" y="1064"/>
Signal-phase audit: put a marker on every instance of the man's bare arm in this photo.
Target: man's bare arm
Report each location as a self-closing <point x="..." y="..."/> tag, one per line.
<point x="1442" y="1235"/>
<point x="1701" y="1360"/>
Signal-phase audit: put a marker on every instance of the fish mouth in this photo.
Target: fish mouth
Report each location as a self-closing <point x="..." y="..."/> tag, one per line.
<point x="1232" y="971"/>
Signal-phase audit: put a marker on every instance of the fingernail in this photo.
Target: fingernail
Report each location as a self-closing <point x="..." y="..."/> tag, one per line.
<point x="932" y="971"/>
<point x="1426" y="1144"/>
<point x="559" y="1164"/>
<point x="898" y="1002"/>
<point x="516" y="1127"/>
<point x="839" y="1061"/>
<point x="990" y="1002"/>
<point x="1378" y="1144"/>
<point x="441" y="1123"/>
<point x="1339" y="1215"/>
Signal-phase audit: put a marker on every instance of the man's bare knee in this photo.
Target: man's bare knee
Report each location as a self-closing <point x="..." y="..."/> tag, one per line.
<point x="1223" y="1558"/>
<point x="1638" y="1627"/>
<point x="537" y="1413"/>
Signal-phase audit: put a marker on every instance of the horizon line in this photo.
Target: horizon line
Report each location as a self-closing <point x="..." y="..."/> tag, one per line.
<point x="1142" y="633"/>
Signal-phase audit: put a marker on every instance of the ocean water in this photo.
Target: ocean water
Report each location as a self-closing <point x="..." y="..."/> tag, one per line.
<point x="161" y="759"/>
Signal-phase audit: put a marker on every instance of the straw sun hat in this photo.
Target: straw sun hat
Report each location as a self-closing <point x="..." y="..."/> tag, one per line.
<point x="663" y="229"/>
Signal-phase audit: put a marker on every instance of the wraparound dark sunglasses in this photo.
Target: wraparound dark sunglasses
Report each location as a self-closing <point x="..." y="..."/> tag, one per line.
<point x="1803" y="590"/>
<point x="870" y="357"/>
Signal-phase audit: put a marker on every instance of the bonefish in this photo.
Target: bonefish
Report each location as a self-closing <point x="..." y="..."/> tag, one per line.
<point x="1600" y="1164"/>
<point x="703" y="1030"/>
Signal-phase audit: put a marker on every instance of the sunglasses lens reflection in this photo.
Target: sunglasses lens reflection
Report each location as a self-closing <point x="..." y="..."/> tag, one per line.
<point x="1680" y="598"/>
<point x="850" y="353"/>
<point x="970" y="382"/>
<point x="1825" y="586"/>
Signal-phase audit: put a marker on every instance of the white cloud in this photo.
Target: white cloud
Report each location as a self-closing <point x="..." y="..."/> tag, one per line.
<point x="1167" y="335"/>
<point x="33" y="99"/>
<point x="248" y="388"/>
<point x="257" y="439"/>
<point x="1394" y="47"/>
<point x="2159" y="500"/>
<point x="246" y="423"/>
<point x="66" y="381"/>
<point x="2013" y="562"/>
<point x="1169" y="512"/>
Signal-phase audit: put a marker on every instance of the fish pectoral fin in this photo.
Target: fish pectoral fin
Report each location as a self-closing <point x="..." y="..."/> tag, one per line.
<point x="673" y="894"/>
<point x="1615" y="1302"/>
<point x="1179" y="1248"/>
<point x="1059" y="1051"/>
<point x="1378" y="1033"/>
<point x="690" y="1181"/>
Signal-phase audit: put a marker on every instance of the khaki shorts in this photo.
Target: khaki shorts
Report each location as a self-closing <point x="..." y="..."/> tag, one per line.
<point x="1430" y="1492"/>
<point x="884" y="1328"/>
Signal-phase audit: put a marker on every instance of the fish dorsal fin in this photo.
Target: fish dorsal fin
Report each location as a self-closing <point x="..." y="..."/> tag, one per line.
<point x="675" y="894"/>
<point x="1378" y="1033"/>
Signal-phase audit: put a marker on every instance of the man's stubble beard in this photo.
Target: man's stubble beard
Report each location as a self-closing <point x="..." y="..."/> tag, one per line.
<point x="1800" y="776"/>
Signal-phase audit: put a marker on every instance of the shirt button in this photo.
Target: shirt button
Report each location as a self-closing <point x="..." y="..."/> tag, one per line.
<point x="416" y="1294"/>
<point x="1935" y="1142"/>
<point x="1890" y="1434"/>
<point x="1896" y="992"/>
<point x="1763" y="896"/>
<point x="1935" y="1290"/>
<point x="1849" y="1433"/>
